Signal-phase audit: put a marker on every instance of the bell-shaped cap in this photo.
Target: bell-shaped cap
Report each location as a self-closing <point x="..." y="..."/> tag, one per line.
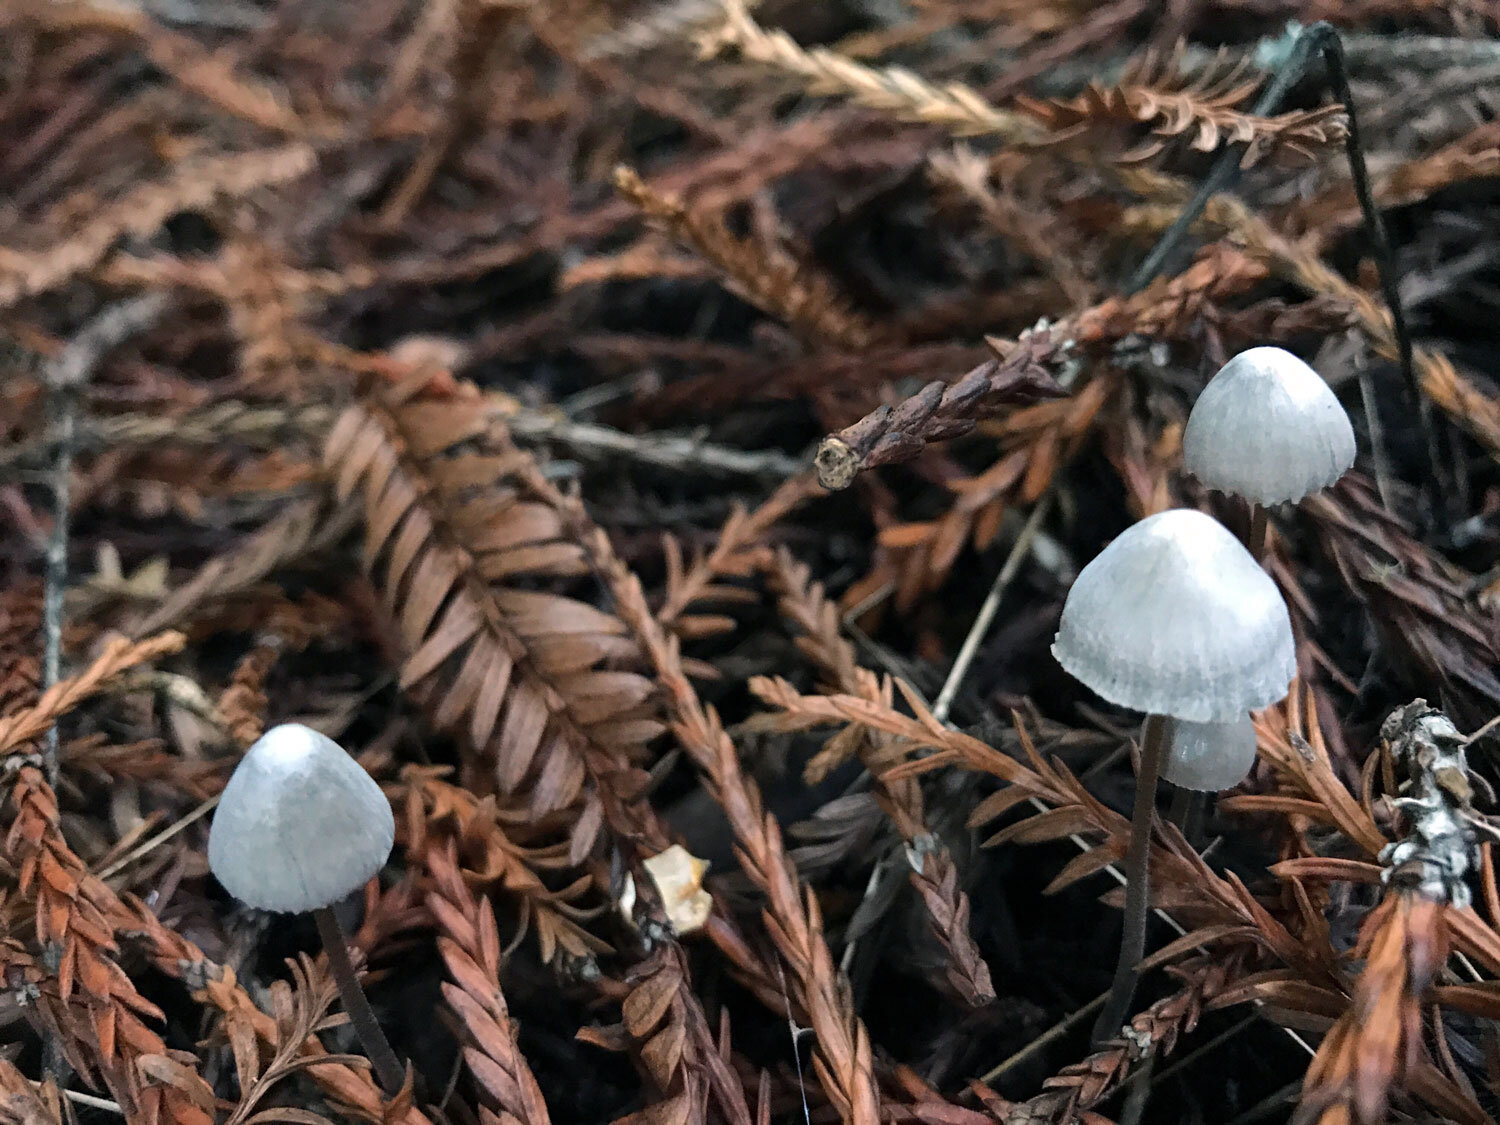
<point x="1209" y="757"/>
<point x="1175" y="618"/>
<point x="300" y="824"/>
<point x="1267" y="428"/>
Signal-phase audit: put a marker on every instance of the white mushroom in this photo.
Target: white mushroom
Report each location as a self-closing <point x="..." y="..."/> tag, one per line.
<point x="1209" y="757"/>
<point x="299" y="827"/>
<point x="1176" y="619"/>
<point x="1267" y="428"/>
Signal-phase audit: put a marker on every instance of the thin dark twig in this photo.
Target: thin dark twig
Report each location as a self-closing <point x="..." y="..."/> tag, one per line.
<point x="1332" y="48"/>
<point x="1320" y="39"/>
<point x="65" y="376"/>
<point x="65" y="407"/>
<point x="1226" y="170"/>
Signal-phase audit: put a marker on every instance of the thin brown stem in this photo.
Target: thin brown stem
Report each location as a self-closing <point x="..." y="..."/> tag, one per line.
<point x="1258" y="523"/>
<point x="1155" y="735"/>
<point x="387" y="1066"/>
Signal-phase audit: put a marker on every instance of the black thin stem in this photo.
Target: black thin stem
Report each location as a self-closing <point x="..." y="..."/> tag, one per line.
<point x="1226" y="170"/>
<point x="1332" y="48"/>
<point x="1155" y="735"/>
<point x="387" y="1066"/>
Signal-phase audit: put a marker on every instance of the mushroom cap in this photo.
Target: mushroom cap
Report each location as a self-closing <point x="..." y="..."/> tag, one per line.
<point x="300" y="824"/>
<point x="1267" y="428"/>
<point x="1209" y="757"/>
<point x="1175" y="618"/>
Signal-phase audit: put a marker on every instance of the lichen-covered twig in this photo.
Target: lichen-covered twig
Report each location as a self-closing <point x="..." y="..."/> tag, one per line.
<point x="1377" y="1045"/>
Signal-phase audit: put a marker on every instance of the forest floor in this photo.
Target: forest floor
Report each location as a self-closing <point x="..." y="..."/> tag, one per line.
<point x="607" y="421"/>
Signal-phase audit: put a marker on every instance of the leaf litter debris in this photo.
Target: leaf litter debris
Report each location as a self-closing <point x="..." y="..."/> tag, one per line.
<point x="606" y="420"/>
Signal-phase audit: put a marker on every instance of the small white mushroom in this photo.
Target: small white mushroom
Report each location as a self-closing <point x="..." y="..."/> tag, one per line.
<point x="1175" y="618"/>
<point x="1208" y="757"/>
<point x="300" y="825"/>
<point x="1268" y="428"/>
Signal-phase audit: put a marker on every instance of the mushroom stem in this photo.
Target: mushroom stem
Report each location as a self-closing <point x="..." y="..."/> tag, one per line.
<point x="1154" y="742"/>
<point x="1257" y="544"/>
<point x="387" y="1066"/>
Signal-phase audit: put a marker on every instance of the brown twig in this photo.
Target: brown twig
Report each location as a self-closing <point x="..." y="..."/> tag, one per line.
<point x="940" y="412"/>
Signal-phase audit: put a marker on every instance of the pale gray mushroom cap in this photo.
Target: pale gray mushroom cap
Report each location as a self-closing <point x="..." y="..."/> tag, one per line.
<point x="1209" y="757"/>
<point x="1175" y="618"/>
<point x="1267" y="428"/>
<point x="300" y="825"/>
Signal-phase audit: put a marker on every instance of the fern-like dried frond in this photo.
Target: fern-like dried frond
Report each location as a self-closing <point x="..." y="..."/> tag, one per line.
<point x="1153" y="1033"/>
<point x="492" y="856"/>
<point x="470" y="947"/>
<point x="894" y="90"/>
<point x="99" y="1018"/>
<point x="1376" y="1046"/>
<point x="1201" y="109"/>
<point x="766" y="276"/>
<point x="532" y="683"/>
<point x="933" y="875"/>
<point x="22" y="1103"/>
<point x="193" y="184"/>
<point x="738" y="550"/>
<point x="216" y="987"/>
<point x="665" y="1026"/>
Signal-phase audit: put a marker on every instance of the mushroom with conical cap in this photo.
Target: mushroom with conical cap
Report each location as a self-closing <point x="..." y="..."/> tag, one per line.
<point x="299" y="827"/>
<point x="1209" y="757"/>
<point x="1174" y="618"/>
<point x="300" y="824"/>
<point x="1267" y="428"/>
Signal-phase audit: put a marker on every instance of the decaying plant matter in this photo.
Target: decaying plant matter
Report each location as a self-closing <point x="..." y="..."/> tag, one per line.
<point x="673" y="427"/>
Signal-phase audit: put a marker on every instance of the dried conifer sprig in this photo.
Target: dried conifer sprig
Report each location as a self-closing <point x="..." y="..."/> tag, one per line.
<point x="216" y="987"/>
<point x="558" y="917"/>
<point x="766" y="276"/>
<point x="118" y="655"/>
<point x="1180" y="877"/>
<point x="736" y="552"/>
<point x="1376" y="1046"/>
<point x="443" y="483"/>
<point x="1080" y="1086"/>
<point x="940" y="411"/>
<point x="1202" y="109"/>
<point x="469" y="944"/>
<point x="1421" y="606"/>
<point x="94" y="1010"/>
<point x="527" y="679"/>
<point x="844" y="1061"/>
<point x="662" y="1022"/>
<point x="933" y="874"/>
<point x="194" y="184"/>
<point x="893" y="90"/>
